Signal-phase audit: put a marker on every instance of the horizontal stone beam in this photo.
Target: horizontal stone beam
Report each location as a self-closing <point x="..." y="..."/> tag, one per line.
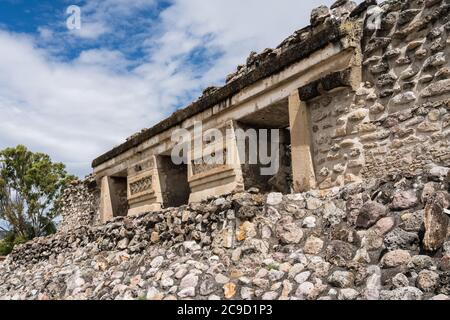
<point x="327" y="83"/>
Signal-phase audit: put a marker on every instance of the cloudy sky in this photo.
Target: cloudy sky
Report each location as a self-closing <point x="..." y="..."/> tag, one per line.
<point x="75" y="94"/>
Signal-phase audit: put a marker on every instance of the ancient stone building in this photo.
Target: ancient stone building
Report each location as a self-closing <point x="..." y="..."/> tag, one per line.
<point x="361" y="95"/>
<point x="361" y="92"/>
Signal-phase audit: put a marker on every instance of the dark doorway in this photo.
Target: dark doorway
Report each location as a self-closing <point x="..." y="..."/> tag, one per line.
<point x="174" y="182"/>
<point x="118" y="191"/>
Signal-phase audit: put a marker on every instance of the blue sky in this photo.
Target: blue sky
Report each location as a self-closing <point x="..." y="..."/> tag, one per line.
<point x="75" y="94"/>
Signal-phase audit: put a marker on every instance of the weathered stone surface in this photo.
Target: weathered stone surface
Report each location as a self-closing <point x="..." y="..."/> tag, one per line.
<point x="189" y="281"/>
<point x="79" y="205"/>
<point x="396" y="258"/>
<point x="302" y="277"/>
<point x="404" y="98"/>
<point x="400" y="280"/>
<point x="404" y="200"/>
<point x="329" y="82"/>
<point x="313" y="203"/>
<point x="407" y="15"/>
<point x="377" y="43"/>
<point x="229" y="290"/>
<point x="313" y="245"/>
<point x="376" y="139"/>
<point x="405" y="293"/>
<point x="348" y="294"/>
<point x="401" y="239"/>
<point x="436" y="221"/>
<point x="427" y="280"/>
<point x="274" y="199"/>
<point x="405" y="75"/>
<point x="437" y="88"/>
<point x="319" y="14"/>
<point x="370" y="213"/>
<point x="421" y="262"/>
<point x="288" y="231"/>
<point x="339" y="251"/>
<point x="342" y="279"/>
<point x="412" y="222"/>
<point x="437" y="60"/>
<point x="309" y="222"/>
<point x="384" y="225"/>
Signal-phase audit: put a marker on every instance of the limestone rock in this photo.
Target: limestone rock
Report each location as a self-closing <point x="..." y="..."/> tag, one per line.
<point x="369" y="214"/>
<point x="319" y="14"/>
<point x="437" y="88"/>
<point x="189" y="281"/>
<point x="404" y="200"/>
<point x="274" y="199"/>
<point x="302" y="277"/>
<point x="401" y="239"/>
<point x="348" y="294"/>
<point x="288" y="231"/>
<point x="400" y="280"/>
<point x="342" y="279"/>
<point x="396" y="258"/>
<point x="405" y="293"/>
<point x="427" y="280"/>
<point x="436" y="221"/>
<point x="313" y="245"/>
<point x="229" y="290"/>
<point x="404" y="98"/>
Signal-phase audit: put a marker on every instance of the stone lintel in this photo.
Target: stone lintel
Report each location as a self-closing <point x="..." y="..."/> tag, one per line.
<point x="331" y="81"/>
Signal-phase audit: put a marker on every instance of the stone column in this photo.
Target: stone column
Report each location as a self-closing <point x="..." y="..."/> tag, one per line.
<point x="303" y="174"/>
<point x="106" y="206"/>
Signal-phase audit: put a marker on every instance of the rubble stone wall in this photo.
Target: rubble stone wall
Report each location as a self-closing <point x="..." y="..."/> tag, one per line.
<point x="80" y="205"/>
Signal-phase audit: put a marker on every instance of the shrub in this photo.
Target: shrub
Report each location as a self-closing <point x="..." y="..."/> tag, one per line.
<point x="8" y="243"/>
<point x="5" y="247"/>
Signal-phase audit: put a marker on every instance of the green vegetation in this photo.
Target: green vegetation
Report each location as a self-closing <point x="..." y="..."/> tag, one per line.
<point x="30" y="188"/>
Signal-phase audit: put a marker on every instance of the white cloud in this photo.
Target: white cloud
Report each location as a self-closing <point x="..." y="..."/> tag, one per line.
<point x="112" y="60"/>
<point x="76" y="110"/>
<point x="70" y="110"/>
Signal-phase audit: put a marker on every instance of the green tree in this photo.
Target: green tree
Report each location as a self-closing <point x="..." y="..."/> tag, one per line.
<point x="30" y="189"/>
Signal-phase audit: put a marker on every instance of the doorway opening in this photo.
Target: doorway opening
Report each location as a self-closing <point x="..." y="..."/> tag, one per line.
<point x="174" y="182"/>
<point x="119" y="200"/>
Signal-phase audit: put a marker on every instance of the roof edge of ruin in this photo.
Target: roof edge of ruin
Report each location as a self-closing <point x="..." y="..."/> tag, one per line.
<point x="331" y="34"/>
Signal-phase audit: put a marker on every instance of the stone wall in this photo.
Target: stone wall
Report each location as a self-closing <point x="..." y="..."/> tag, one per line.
<point x="376" y="228"/>
<point x="406" y="99"/>
<point x="398" y="121"/>
<point x="338" y="156"/>
<point x="80" y="205"/>
<point x="374" y="240"/>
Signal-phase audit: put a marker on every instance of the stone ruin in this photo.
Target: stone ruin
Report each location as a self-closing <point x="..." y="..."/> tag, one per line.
<point x="358" y="210"/>
<point x="354" y="98"/>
